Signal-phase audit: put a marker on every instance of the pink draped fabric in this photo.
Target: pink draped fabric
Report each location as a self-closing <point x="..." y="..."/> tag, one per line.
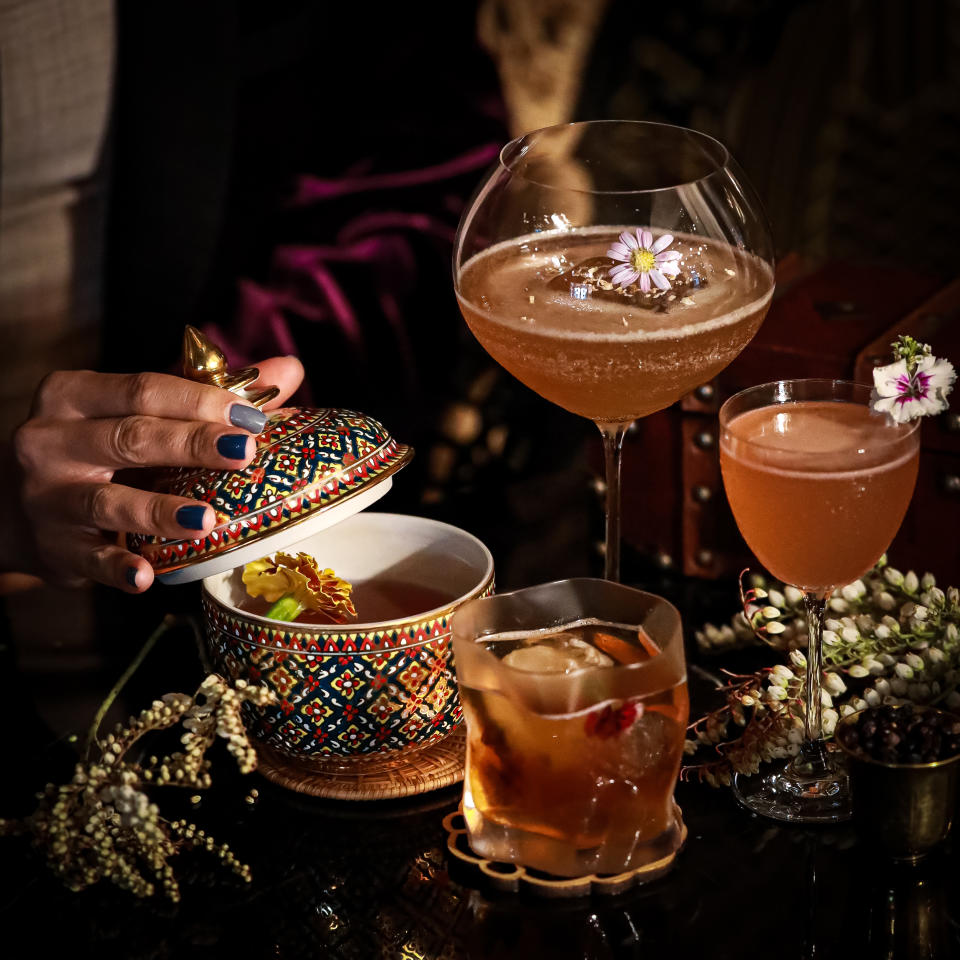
<point x="303" y="279"/>
<point x="312" y="189"/>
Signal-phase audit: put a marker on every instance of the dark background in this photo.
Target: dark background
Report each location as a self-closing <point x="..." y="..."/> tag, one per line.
<point x="844" y="116"/>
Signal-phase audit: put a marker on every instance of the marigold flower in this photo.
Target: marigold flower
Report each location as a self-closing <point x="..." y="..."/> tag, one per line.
<point x="294" y="584"/>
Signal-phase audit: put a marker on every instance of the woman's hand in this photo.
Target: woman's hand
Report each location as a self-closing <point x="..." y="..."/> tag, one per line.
<point x="86" y="426"/>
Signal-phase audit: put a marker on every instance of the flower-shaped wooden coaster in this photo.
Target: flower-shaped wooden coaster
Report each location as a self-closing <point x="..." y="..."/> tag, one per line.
<point x="511" y="878"/>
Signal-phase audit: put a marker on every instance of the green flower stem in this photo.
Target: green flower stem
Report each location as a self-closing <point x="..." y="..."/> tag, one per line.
<point x="286" y="608"/>
<point x="168" y="621"/>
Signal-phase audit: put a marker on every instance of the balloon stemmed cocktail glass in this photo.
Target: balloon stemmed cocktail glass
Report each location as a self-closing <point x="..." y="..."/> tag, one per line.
<point x="818" y="483"/>
<point x="613" y="266"/>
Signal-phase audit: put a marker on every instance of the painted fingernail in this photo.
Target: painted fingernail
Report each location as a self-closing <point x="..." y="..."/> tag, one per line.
<point x="233" y="446"/>
<point x="132" y="576"/>
<point x="248" y="418"/>
<point x="191" y="516"/>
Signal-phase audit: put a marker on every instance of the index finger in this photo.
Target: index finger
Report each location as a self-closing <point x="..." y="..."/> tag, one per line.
<point x="78" y="394"/>
<point x="286" y="373"/>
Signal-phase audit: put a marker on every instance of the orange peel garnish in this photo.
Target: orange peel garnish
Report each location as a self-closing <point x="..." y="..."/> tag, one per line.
<point x="622" y="650"/>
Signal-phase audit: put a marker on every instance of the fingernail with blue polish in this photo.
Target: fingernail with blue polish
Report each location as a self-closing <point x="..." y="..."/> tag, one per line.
<point x="233" y="446"/>
<point x="132" y="577"/>
<point x="248" y="418"/>
<point x="191" y="516"/>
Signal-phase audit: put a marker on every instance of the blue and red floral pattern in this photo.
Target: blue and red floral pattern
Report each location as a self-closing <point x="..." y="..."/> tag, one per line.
<point x="341" y="693"/>
<point x="306" y="638"/>
<point x="306" y="461"/>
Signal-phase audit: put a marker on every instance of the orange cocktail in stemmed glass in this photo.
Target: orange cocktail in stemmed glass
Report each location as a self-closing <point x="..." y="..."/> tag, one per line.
<point x="818" y="482"/>
<point x="613" y="266"/>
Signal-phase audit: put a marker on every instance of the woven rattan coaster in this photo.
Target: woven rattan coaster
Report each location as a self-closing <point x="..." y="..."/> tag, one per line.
<point x="435" y="766"/>
<point x="512" y="878"/>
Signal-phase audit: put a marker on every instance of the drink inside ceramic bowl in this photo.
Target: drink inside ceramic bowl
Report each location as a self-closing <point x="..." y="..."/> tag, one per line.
<point x="363" y="692"/>
<point x="374" y="600"/>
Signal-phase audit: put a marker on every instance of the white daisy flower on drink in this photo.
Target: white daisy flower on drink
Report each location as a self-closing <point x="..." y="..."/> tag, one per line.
<point x="642" y="258"/>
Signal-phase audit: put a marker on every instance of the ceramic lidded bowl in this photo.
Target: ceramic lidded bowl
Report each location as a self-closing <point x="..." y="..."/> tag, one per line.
<point x="378" y="688"/>
<point x="364" y="692"/>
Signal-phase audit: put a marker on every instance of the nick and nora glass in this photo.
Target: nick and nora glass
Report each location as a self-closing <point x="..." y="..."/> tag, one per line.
<point x="818" y="483"/>
<point x="613" y="266"/>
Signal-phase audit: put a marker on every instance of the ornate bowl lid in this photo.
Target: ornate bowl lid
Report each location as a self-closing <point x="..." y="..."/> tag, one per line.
<point x="312" y="469"/>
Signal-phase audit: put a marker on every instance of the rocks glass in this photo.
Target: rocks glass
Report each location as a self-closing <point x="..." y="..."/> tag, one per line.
<point x="575" y="699"/>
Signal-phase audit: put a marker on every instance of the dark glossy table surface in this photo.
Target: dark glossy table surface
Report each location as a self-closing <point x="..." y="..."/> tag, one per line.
<point x="354" y="880"/>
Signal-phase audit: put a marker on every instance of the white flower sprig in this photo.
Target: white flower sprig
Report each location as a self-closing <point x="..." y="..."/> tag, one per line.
<point x="916" y="384"/>
<point x="889" y="638"/>
<point x="102" y="824"/>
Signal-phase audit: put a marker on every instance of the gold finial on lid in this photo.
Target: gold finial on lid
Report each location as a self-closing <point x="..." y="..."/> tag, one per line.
<point x="204" y="362"/>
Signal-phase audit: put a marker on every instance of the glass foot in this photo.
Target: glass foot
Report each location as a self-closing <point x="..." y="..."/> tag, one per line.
<point x="811" y="788"/>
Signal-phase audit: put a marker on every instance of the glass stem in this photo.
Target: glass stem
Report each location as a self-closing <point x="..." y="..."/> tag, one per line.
<point x="613" y="434"/>
<point x="812" y="750"/>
